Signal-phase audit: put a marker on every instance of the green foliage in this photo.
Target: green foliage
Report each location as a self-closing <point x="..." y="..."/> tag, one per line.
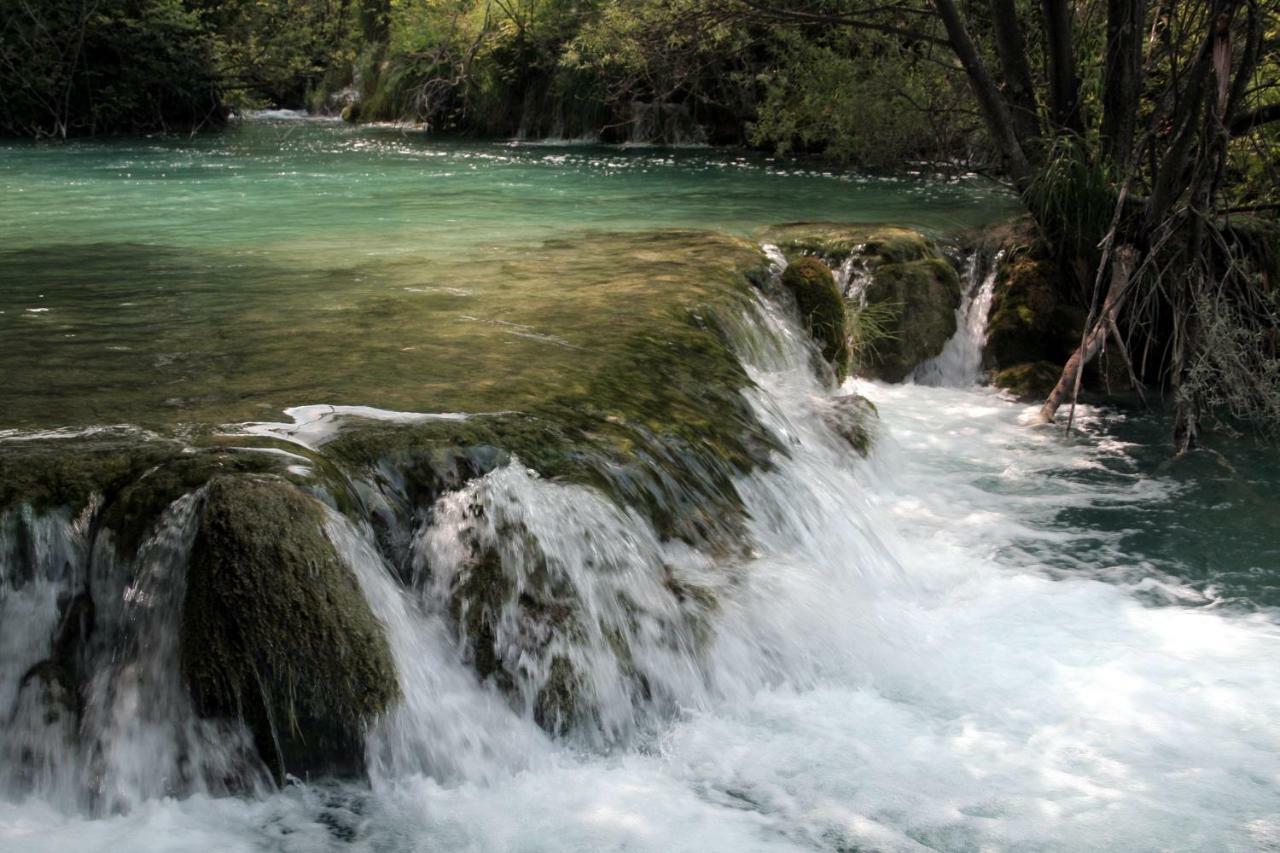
<point x="1073" y="197"/>
<point x="853" y="99"/>
<point x="76" y="67"/>
<point x="872" y="327"/>
<point x="271" y="52"/>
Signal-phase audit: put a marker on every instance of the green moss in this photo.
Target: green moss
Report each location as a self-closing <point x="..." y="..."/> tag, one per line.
<point x="1029" y="321"/>
<point x="66" y="472"/>
<point x="821" y="309"/>
<point x="834" y="242"/>
<point x="662" y="428"/>
<point x="925" y="295"/>
<point x="1029" y="382"/>
<point x="276" y="631"/>
<point x="132" y="509"/>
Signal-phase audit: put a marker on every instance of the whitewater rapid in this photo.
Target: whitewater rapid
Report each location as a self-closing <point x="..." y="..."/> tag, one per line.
<point x="913" y="654"/>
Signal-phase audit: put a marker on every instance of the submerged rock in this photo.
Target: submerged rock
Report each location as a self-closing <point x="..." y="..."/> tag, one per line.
<point x="1029" y="382"/>
<point x="821" y="309"/>
<point x="852" y="417"/>
<point x="276" y="631"/>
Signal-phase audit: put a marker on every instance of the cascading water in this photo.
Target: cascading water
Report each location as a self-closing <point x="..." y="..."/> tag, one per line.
<point x="904" y="653"/>
<point x="136" y="737"/>
<point x="960" y="362"/>
<point x="706" y="623"/>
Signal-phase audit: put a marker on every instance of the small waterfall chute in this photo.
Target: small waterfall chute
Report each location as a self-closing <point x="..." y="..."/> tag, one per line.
<point x="959" y="365"/>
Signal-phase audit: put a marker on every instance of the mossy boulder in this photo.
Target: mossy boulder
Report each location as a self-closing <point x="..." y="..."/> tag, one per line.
<point x="1029" y="382"/>
<point x="276" y="631"/>
<point x="821" y="309"/>
<point x="898" y="268"/>
<point x="921" y="297"/>
<point x="1030" y="321"/>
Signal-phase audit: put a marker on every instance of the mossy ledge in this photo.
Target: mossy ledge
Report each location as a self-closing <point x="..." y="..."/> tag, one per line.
<point x="835" y="242"/>
<point x="276" y="631"/>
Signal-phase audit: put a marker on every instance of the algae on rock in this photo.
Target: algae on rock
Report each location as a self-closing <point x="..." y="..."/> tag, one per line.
<point x="1029" y="382"/>
<point x="276" y="631"/>
<point x="821" y="309"/>
<point x="924" y="295"/>
<point x="836" y="242"/>
<point x="1029" y="321"/>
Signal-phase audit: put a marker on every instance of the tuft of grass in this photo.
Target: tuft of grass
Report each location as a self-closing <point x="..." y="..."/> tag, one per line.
<point x="871" y="326"/>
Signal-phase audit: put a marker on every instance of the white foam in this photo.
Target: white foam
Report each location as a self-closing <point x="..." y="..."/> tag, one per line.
<point x="316" y="425"/>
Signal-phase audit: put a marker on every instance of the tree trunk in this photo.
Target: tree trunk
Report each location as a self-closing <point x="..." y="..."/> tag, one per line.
<point x="1016" y="71"/>
<point x="1122" y="78"/>
<point x="994" y="109"/>
<point x="1064" y="85"/>
<point x="1069" y="383"/>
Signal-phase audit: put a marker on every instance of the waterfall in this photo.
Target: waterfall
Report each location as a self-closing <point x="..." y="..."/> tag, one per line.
<point x="131" y="735"/>
<point x="960" y="362"/>
<point x="893" y="655"/>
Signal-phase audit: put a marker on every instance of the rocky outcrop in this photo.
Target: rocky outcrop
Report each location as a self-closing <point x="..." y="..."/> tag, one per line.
<point x="822" y="309"/>
<point x="1030" y="381"/>
<point x="276" y="631"/>
<point x="852" y="417"/>
<point x="920" y="299"/>
<point x="893" y="278"/>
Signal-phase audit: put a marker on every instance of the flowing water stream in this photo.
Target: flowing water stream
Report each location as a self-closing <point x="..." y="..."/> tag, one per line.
<point x="984" y="636"/>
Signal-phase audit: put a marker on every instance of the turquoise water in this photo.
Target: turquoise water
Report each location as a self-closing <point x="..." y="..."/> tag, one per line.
<point x="227" y="277"/>
<point x="296" y="187"/>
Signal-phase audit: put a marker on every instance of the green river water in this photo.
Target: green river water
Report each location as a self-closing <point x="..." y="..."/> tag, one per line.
<point x="226" y="277"/>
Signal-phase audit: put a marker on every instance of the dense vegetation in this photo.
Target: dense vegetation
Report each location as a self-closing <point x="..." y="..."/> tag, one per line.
<point x="1143" y="135"/>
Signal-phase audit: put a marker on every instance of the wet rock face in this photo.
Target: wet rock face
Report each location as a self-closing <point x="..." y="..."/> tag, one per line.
<point x="276" y="631"/>
<point x="1030" y="322"/>
<point x="922" y="297"/>
<point x="822" y="309"/>
<point x="854" y="418"/>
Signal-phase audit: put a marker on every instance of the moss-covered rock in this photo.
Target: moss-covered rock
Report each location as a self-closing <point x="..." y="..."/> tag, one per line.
<point x="1029" y="382"/>
<point x="821" y="309"/>
<point x="276" y="631"/>
<point x="1030" y="321"/>
<point x="898" y="270"/>
<point x="922" y="297"/>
